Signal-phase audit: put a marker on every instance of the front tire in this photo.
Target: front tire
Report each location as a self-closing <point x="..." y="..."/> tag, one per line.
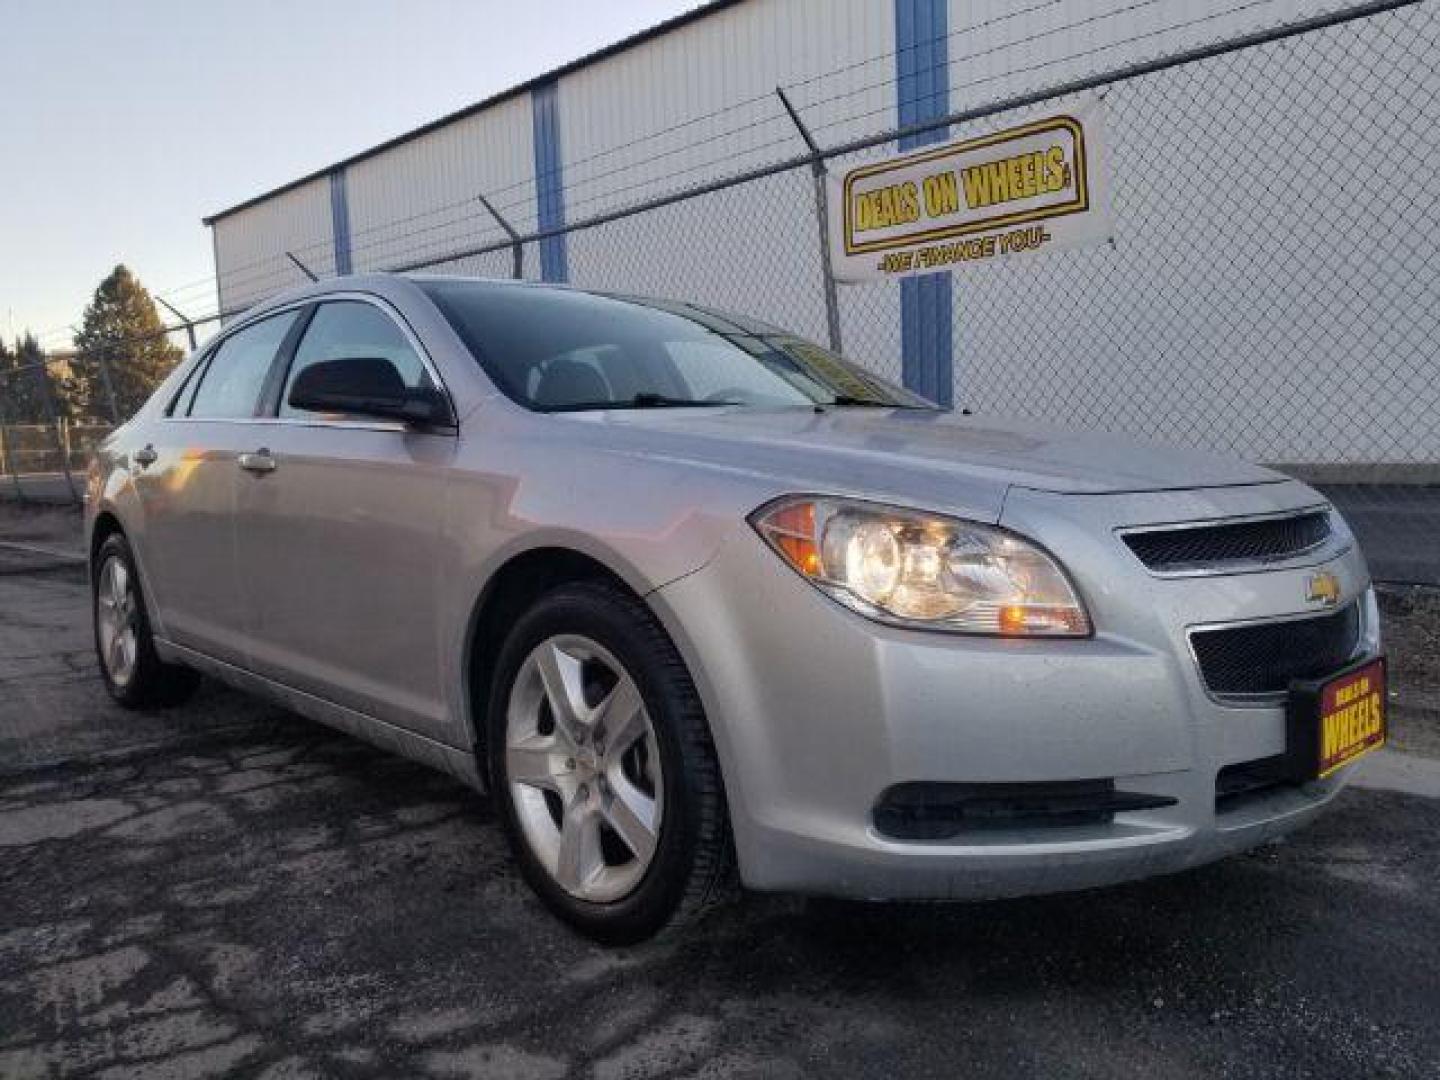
<point x="602" y="767"/>
<point x="133" y="673"/>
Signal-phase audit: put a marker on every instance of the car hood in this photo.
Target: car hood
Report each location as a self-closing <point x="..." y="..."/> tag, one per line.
<point x="873" y="449"/>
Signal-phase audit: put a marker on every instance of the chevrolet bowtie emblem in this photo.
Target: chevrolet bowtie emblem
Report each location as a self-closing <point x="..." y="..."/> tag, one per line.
<point x="1323" y="588"/>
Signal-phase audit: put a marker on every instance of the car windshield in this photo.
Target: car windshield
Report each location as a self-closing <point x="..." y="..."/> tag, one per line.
<point x="563" y="350"/>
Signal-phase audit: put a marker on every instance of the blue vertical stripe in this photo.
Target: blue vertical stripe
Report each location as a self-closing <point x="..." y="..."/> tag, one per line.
<point x="340" y="221"/>
<point x="922" y="84"/>
<point x="549" y="180"/>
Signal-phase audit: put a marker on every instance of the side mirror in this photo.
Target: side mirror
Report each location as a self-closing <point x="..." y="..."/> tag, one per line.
<point x="368" y="386"/>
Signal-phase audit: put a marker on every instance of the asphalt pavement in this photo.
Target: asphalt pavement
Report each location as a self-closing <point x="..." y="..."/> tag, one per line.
<point x="228" y="889"/>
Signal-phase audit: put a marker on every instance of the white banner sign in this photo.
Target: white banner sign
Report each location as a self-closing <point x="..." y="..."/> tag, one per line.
<point x="1028" y="189"/>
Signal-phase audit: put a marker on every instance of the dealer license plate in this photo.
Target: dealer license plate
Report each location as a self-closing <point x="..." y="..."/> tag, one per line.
<point x="1334" y="721"/>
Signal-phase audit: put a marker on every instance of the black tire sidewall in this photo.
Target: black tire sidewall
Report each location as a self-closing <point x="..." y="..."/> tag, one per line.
<point x="153" y="682"/>
<point x="619" y="628"/>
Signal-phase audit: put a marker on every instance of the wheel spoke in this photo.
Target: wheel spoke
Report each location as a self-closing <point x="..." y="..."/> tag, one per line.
<point x="118" y="583"/>
<point x="622" y="717"/>
<point x="560" y="674"/>
<point x="601" y="760"/>
<point x="533" y="762"/>
<point x="117" y="655"/>
<point x="579" y="856"/>
<point x="631" y="813"/>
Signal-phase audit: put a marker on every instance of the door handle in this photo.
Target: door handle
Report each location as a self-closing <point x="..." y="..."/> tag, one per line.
<point x="258" y="462"/>
<point x="145" y="457"/>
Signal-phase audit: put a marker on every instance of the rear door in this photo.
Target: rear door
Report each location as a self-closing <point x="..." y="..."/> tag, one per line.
<point x="188" y="490"/>
<point x="339" y="547"/>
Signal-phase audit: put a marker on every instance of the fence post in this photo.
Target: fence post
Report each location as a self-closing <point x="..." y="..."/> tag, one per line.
<point x="103" y="364"/>
<point x="822" y="220"/>
<point x="189" y="326"/>
<point x="42" y="378"/>
<point x="301" y="266"/>
<point x="5" y="454"/>
<point x="517" y="249"/>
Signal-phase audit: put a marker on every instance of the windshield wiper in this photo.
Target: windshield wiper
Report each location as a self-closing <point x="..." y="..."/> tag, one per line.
<point x="644" y="400"/>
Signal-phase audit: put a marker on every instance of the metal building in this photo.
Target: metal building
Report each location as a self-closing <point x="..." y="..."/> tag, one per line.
<point x="1238" y="277"/>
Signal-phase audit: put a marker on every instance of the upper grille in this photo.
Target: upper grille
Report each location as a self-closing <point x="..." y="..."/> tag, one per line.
<point x="1205" y="546"/>
<point x="1263" y="658"/>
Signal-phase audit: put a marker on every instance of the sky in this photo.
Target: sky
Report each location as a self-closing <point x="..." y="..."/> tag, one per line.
<point x="123" y="124"/>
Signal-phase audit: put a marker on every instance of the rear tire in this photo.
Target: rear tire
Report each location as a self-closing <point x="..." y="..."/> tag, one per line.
<point x="611" y="799"/>
<point x="133" y="673"/>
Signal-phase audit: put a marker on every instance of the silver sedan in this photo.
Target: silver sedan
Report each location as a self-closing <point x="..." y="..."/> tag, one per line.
<point x="697" y="601"/>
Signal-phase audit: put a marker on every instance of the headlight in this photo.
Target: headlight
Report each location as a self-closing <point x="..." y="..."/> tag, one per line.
<point x="924" y="570"/>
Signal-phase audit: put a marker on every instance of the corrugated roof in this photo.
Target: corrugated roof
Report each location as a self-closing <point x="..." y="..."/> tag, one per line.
<point x="683" y="19"/>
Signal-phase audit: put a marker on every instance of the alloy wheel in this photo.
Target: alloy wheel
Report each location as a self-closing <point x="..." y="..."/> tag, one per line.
<point x="117" y="617"/>
<point x="583" y="767"/>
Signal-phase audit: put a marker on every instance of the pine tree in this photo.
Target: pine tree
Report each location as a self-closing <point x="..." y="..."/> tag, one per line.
<point x="7" y="380"/>
<point x="122" y="330"/>
<point x="25" y="381"/>
<point x="9" y="390"/>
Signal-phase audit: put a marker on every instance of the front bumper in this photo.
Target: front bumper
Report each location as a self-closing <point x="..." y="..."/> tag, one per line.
<point x="817" y="712"/>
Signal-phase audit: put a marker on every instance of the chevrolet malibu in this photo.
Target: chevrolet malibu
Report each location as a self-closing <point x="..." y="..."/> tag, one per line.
<point x="698" y="601"/>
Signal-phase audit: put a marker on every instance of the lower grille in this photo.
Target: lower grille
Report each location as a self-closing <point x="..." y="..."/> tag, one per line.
<point x="1264" y="658"/>
<point x="1236" y="785"/>
<point x="937" y="811"/>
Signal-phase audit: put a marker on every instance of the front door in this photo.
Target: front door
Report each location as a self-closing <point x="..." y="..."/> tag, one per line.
<point x="338" y="540"/>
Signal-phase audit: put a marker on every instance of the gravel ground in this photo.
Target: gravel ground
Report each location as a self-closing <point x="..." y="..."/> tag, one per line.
<point x="1410" y="625"/>
<point x="300" y="905"/>
<point x="226" y="889"/>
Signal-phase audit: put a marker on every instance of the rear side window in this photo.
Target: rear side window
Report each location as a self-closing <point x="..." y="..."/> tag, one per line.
<point x="349" y="330"/>
<point x="230" y="385"/>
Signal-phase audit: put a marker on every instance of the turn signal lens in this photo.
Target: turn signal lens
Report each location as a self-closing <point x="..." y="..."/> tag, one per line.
<point x="925" y="570"/>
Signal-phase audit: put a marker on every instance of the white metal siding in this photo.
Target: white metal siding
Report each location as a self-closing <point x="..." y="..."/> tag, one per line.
<point x="698" y="103"/>
<point x="753" y="248"/>
<point x="999" y="48"/>
<point x="250" y="246"/>
<point x="418" y="199"/>
<point x="1238" y="195"/>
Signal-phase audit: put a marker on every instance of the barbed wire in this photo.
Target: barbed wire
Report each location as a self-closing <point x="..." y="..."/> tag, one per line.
<point x="570" y="166"/>
<point x="263" y="268"/>
<point x="500" y="242"/>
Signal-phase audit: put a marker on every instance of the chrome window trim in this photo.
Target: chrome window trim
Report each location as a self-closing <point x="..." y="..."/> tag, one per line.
<point x="389" y="309"/>
<point x="1337" y="543"/>
<point x="297" y="421"/>
<point x="195" y="361"/>
<point x="1276" y="698"/>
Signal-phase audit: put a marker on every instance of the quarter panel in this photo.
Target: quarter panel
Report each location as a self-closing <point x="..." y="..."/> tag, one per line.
<point x="186" y="539"/>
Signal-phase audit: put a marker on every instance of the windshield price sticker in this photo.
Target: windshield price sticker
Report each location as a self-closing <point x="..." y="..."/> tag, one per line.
<point x="1031" y="188"/>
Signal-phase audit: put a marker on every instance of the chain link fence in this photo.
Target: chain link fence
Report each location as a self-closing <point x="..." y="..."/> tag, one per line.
<point x="1272" y="290"/>
<point x="40" y="450"/>
<point x="46" y="437"/>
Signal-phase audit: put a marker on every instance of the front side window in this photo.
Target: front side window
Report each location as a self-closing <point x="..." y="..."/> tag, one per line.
<point x="231" y="383"/>
<point x="352" y="330"/>
<point x="562" y="350"/>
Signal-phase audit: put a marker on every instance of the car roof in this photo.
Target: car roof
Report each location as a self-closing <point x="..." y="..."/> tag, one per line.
<point x="394" y="286"/>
